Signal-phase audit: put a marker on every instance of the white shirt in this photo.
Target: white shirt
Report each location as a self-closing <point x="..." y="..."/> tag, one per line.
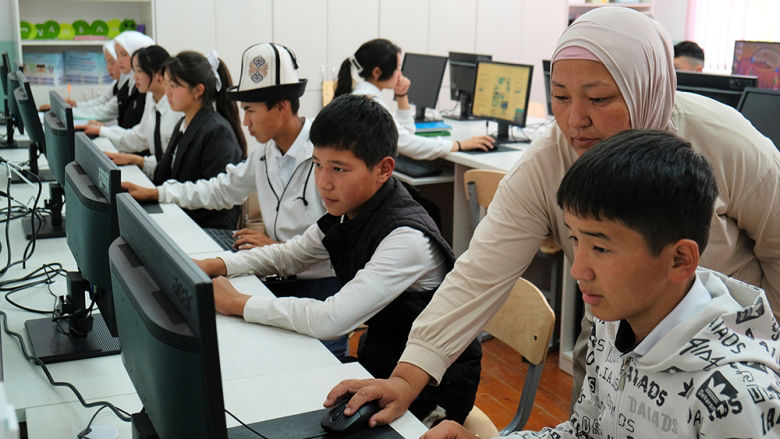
<point x="410" y="145"/>
<point x="404" y="260"/>
<point x="103" y="107"/>
<point x="141" y="137"/>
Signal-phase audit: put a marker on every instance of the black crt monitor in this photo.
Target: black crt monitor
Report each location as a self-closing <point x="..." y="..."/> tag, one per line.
<point x="726" y="89"/>
<point x="426" y="73"/>
<point x="92" y="181"/>
<point x="761" y="107"/>
<point x="463" y="70"/>
<point x="758" y="58"/>
<point x="167" y="327"/>
<point x="547" y="71"/>
<point x="501" y="93"/>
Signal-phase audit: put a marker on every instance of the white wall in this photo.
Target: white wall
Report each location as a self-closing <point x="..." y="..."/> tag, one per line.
<point x="324" y="33"/>
<point x="673" y="15"/>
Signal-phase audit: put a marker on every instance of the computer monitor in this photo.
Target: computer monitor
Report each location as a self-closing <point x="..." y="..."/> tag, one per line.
<point x="38" y="226"/>
<point x="4" y="69"/>
<point x="60" y="136"/>
<point x="167" y="327"/>
<point x="761" y="107"/>
<point x="12" y="116"/>
<point x="28" y="113"/>
<point x="758" y="58"/>
<point x="463" y="70"/>
<point x="726" y="89"/>
<point x="546" y="71"/>
<point x="92" y="181"/>
<point x="425" y="72"/>
<point x="501" y="92"/>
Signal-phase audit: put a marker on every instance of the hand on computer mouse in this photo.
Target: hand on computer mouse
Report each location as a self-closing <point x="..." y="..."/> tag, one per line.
<point x="337" y="423"/>
<point x="484" y="143"/>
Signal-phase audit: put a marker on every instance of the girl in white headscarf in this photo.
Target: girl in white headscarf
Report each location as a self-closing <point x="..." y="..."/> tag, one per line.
<point x="612" y="70"/>
<point x="116" y="106"/>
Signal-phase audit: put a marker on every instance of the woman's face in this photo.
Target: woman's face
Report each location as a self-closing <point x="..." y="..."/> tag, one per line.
<point x="587" y="103"/>
<point x="142" y="80"/>
<point x="122" y="58"/>
<point x="111" y="65"/>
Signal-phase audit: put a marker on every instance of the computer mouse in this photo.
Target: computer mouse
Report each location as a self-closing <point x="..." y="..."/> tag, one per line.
<point x="336" y="423"/>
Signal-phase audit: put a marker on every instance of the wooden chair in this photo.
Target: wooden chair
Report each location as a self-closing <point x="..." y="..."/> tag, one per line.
<point x="525" y="323"/>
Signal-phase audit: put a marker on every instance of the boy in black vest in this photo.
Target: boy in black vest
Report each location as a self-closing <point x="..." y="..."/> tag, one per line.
<point x="385" y="249"/>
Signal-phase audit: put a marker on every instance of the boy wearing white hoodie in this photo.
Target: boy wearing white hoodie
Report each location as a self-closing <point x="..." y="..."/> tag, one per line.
<point x="675" y="350"/>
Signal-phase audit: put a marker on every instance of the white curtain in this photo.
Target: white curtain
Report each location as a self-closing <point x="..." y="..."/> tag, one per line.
<point x="716" y="24"/>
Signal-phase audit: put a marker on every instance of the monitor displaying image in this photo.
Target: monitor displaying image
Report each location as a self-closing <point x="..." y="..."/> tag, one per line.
<point x="758" y="58"/>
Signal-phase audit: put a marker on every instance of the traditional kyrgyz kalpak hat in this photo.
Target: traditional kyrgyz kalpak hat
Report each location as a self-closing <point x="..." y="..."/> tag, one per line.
<point x="269" y="72"/>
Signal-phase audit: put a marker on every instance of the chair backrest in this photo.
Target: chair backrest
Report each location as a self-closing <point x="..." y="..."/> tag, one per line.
<point x="525" y="322"/>
<point x="481" y="185"/>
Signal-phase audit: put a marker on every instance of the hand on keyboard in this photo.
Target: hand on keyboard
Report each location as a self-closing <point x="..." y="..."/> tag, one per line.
<point x="248" y="238"/>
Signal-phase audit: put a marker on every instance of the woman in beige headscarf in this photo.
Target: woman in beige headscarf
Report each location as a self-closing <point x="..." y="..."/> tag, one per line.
<point x="612" y="70"/>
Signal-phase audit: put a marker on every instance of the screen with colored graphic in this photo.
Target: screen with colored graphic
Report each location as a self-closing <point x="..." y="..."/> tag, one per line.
<point x="501" y="92"/>
<point x="758" y="58"/>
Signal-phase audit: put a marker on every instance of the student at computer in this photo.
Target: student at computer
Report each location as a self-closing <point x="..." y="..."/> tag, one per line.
<point x="206" y="140"/>
<point x="595" y="96"/>
<point x="153" y="133"/>
<point x="279" y="170"/>
<point x="688" y="56"/>
<point x="128" y="107"/>
<point x="385" y="249"/>
<point x="377" y="66"/>
<point x="675" y="350"/>
<point x="99" y="106"/>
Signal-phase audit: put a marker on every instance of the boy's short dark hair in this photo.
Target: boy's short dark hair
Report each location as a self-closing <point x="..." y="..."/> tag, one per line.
<point x="358" y="124"/>
<point x="651" y="181"/>
<point x="689" y="49"/>
<point x="295" y="104"/>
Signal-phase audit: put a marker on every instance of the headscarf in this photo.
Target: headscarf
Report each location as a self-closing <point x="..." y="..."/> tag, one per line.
<point x="638" y="53"/>
<point x="131" y="41"/>
<point x="108" y="46"/>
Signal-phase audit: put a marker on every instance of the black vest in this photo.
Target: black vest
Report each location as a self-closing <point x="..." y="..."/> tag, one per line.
<point x="131" y="105"/>
<point x="351" y="245"/>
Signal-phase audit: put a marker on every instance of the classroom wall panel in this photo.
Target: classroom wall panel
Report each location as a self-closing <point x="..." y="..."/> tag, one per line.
<point x="405" y="23"/>
<point x="240" y="24"/>
<point x="350" y="24"/>
<point x="184" y="26"/>
<point x="301" y="25"/>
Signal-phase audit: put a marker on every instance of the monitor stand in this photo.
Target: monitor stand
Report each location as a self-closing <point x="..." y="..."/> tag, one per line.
<point x="48" y="226"/>
<point x="502" y="135"/>
<point x="51" y="344"/>
<point x="465" y="106"/>
<point x="419" y="115"/>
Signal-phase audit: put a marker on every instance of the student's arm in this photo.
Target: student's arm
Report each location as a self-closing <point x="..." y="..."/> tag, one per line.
<point x="106" y="111"/>
<point x="501" y="249"/>
<point x="130" y="140"/>
<point x="401" y="259"/>
<point x="228" y="189"/>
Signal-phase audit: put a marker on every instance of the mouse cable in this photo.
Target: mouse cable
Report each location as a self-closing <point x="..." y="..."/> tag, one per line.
<point x="51" y="271"/>
<point x="121" y="414"/>
<point x="246" y="426"/>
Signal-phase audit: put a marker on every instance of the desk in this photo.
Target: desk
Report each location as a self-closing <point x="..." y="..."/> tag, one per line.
<point x="290" y="373"/>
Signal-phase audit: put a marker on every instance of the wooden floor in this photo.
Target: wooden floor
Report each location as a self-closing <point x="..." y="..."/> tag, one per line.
<point x="503" y="374"/>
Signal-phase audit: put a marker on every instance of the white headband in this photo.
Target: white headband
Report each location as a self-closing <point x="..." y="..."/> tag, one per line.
<point x="355" y="64"/>
<point x="213" y="59"/>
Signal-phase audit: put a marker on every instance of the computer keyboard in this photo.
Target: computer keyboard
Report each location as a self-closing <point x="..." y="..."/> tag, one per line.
<point x="416" y="168"/>
<point x="223" y="237"/>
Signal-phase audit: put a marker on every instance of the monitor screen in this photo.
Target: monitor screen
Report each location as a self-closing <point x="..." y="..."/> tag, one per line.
<point x="25" y="104"/>
<point x="167" y="328"/>
<point x="758" y="58"/>
<point x="546" y="71"/>
<point x="501" y="92"/>
<point x="13" y="109"/>
<point x="4" y="69"/>
<point x="60" y="136"/>
<point x="463" y="70"/>
<point x="726" y="89"/>
<point x="92" y="181"/>
<point x="425" y="72"/>
<point x="761" y="107"/>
